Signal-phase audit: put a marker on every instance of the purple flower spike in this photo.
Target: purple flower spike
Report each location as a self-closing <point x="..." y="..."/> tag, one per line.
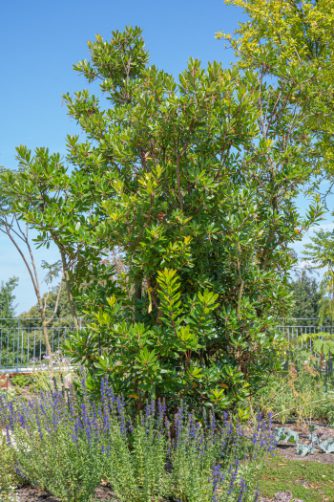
<point x="178" y="421"/>
<point x="162" y="408"/>
<point x="8" y="439"/>
<point x="243" y="489"/>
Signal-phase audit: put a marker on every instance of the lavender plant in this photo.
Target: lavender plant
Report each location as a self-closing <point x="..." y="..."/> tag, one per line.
<point x="57" y="446"/>
<point x="135" y="463"/>
<point x="66" y="443"/>
<point x="8" y="477"/>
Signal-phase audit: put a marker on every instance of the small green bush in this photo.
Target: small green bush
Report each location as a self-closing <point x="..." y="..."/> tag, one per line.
<point x="22" y="381"/>
<point x="68" y="470"/>
<point x="297" y="395"/>
<point x="8" y="477"/>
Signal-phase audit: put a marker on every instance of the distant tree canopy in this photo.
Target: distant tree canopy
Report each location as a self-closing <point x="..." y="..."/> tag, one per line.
<point x="7" y="301"/>
<point x="320" y="252"/>
<point x="62" y="318"/>
<point x="307" y="300"/>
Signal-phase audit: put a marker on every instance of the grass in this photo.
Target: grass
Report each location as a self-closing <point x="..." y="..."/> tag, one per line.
<point x="309" y="481"/>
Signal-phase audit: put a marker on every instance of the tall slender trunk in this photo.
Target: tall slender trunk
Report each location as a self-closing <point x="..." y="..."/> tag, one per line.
<point x="67" y="281"/>
<point x="46" y="338"/>
<point x="32" y="270"/>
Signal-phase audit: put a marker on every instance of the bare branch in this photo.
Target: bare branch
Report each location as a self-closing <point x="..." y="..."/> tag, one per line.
<point x="55" y="310"/>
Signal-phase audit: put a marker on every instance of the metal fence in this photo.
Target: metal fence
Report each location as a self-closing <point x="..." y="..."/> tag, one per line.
<point x="299" y="344"/>
<point x="293" y="332"/>
<point x="23" y="348"/>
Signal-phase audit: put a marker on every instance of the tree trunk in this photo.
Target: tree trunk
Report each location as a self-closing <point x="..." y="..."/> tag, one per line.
<point x="46" y="339"/>
<point x="68" y="284"/>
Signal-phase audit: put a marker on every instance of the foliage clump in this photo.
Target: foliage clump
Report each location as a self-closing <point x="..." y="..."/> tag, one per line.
<point x="298" y="395"/>
<point x="8" y="476"/>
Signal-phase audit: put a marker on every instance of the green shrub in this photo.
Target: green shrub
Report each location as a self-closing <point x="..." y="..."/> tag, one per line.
<point x="8" y="476"/>
<point x="180" y="207"/>
<point x="297" y="395"/>
<point x="21" y="381"/>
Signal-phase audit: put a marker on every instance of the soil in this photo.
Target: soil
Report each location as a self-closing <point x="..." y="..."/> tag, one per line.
<point x="30" y="494"/>
<point x="280" y="497"/>
<point x="322" y="430"/>
<point x="289" y="452"/>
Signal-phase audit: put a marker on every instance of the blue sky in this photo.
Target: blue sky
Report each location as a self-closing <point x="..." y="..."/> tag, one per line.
<point x="40" y="41"/>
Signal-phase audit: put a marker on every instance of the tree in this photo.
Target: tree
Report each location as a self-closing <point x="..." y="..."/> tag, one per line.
<point x="8" y="322"/>
<point x="182" y="215"/>
<point x="63" y="314"/>
<point x="290" y="43"/>
<point x="38" y="194"/>
<point x="321" y="255"/>
<point x="202" y="228"/>
<point x="306" y="296"/>
<point x="7" y="299"/>
<point x="17" y="232"/>
<point x="56" y="206"/>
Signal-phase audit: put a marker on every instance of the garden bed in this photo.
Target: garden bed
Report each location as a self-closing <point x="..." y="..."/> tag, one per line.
<point x="284" y="478"/>
<point x="31" y="494"/>
<point x="69" y="443"/>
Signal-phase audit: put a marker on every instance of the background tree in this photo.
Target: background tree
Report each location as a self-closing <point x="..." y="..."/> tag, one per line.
<point x="63" y="314"/>
<point x="17" y="231"/>
<point x="321" y="255"/>
<point x="8" y="321"/>
<point x="306" y="297"/>
<point x="291" y="44"/>
<point x="7" y="299"/>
